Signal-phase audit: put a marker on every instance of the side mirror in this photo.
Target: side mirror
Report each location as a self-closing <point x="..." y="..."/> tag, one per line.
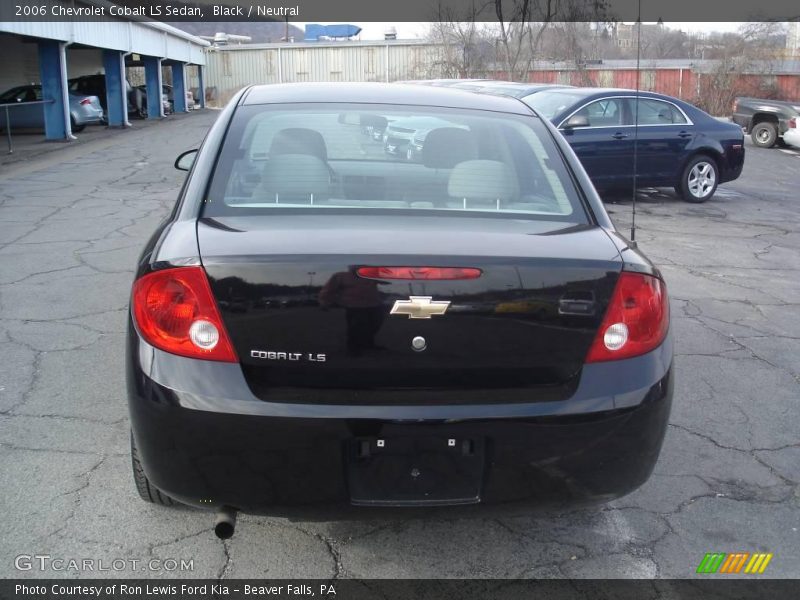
<point x="185" y="161"/>
<point x="576" y="121"/>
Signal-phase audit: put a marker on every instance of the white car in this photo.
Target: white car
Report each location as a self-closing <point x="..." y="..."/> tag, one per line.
<point x="792" y="135"/>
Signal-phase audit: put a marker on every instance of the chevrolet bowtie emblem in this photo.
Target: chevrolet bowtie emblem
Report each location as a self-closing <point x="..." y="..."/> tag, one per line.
<point x="420" y="307"/>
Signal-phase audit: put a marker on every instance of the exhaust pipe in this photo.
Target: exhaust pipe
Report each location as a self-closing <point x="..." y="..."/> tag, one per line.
<point x="225" y="523"/>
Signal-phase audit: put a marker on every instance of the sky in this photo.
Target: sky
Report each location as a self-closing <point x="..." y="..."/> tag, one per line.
<point x="375" y="31"/>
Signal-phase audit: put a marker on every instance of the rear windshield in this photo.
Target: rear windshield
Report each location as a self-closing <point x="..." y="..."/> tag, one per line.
<point x="551" y="104"/>
<point x="327" y="157"/>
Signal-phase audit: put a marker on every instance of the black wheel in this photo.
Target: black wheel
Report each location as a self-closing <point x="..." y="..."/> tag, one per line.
<point x="699" y="179"/>
<point x="75" y="127"/>
<point x="764" y="134"/>
<point x="147" y="491"/>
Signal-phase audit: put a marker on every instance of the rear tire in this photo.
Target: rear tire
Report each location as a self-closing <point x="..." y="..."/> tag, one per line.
<point x="75" y="127"/>
<point x="764" y="134"/>
<point x="699" y="179"/>
<point x="147" y="491"/>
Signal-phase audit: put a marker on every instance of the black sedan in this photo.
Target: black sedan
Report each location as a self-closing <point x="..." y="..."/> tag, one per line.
<point x="320" y="328"/>
<point x="678" y="145"/>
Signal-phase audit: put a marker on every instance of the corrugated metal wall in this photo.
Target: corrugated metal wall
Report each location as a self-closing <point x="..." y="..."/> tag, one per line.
<point x="228" y="70"/>
<point x="23" y="68"/>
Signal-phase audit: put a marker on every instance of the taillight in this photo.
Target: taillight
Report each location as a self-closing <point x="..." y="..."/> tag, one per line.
<point x="85" y="101"/>
<point x="793" y="123"/>
<point x="175" y="312"/>
<point x="427" y="273"/>
<point x="636" y="320"/>
<point x="735" y="105"/>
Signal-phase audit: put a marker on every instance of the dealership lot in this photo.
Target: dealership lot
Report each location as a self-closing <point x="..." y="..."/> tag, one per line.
<point x="73" y="222"/>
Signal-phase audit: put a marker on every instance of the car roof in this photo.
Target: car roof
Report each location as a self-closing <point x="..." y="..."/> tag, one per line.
<point x="586" y="92"/>
<point x="531" y="84"/>
<point x="448" y="82"/>
<point x="521" y="89"/>
<point x="381" y="93"/>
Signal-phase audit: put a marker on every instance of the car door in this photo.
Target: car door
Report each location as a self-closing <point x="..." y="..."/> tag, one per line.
<point x="605" y="146"/>
<point x="20" y="113"/>
<point x="12" y="97"/>
<point x="664" y="136"/>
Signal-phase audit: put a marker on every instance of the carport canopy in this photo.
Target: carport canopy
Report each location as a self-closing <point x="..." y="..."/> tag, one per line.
<point x="154" y="42"/>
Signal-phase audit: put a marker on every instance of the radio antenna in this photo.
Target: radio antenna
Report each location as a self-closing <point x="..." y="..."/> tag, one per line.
<point x="636" y="123"/>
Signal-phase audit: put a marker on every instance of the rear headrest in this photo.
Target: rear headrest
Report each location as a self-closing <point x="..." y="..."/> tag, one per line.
<point x="295" y="174"/>
<point x="445" y="147"/>
<point x="665" y="115"/>
<point x="298" y="140"/>
<point x="483" y="180"/>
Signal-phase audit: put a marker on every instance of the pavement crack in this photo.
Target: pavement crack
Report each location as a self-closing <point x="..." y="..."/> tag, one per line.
<point x="227" y="566"/>
<point x="333" y="550"/>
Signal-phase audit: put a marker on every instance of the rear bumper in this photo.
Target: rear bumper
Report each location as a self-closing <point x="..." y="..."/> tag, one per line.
<point x="89" y="116"/>
<point x="205" y="440"/>
<point x="792" y="137"/>
<point x="732" y="172"/>
<point x="732" y="164"/>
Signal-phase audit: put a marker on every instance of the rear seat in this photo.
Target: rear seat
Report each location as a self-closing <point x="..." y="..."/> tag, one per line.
<point x="294" y="179"/>
<point x="442" y="150"/>
<point x="482" y="184"/>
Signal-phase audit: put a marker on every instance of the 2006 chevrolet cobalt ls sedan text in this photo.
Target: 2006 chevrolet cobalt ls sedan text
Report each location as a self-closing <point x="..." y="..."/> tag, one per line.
<point x="319" y="326"/>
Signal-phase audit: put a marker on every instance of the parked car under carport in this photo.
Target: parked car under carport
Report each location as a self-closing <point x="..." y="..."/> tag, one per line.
<point x="96" y="86"/>
<point x="28" y="113"/>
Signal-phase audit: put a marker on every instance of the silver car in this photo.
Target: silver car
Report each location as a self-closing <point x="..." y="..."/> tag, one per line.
<point x="83" y="110"/>
<point x="792" y="134"/>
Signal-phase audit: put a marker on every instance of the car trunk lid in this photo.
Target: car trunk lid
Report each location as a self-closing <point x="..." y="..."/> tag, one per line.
<point x="308" y="328"/>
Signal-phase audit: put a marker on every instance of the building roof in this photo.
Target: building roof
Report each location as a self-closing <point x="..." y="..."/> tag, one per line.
<point x="325" y="44"/>
<point x="150" y="38"/>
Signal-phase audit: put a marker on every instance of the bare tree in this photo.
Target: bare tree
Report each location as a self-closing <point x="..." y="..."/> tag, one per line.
<point x="521" y="25"/>
<point x="659" y="41"/>
<point x="752" y="50"/>
<point x="513" y="39"/>
<point x="462" y="38"/>
<point x="576" y="38"/>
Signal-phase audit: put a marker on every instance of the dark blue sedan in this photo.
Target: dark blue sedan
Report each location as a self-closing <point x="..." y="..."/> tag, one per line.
<point x="678" y="146"/>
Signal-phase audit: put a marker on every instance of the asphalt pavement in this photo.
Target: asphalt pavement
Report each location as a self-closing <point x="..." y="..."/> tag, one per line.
<point x="72" y="223"/>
